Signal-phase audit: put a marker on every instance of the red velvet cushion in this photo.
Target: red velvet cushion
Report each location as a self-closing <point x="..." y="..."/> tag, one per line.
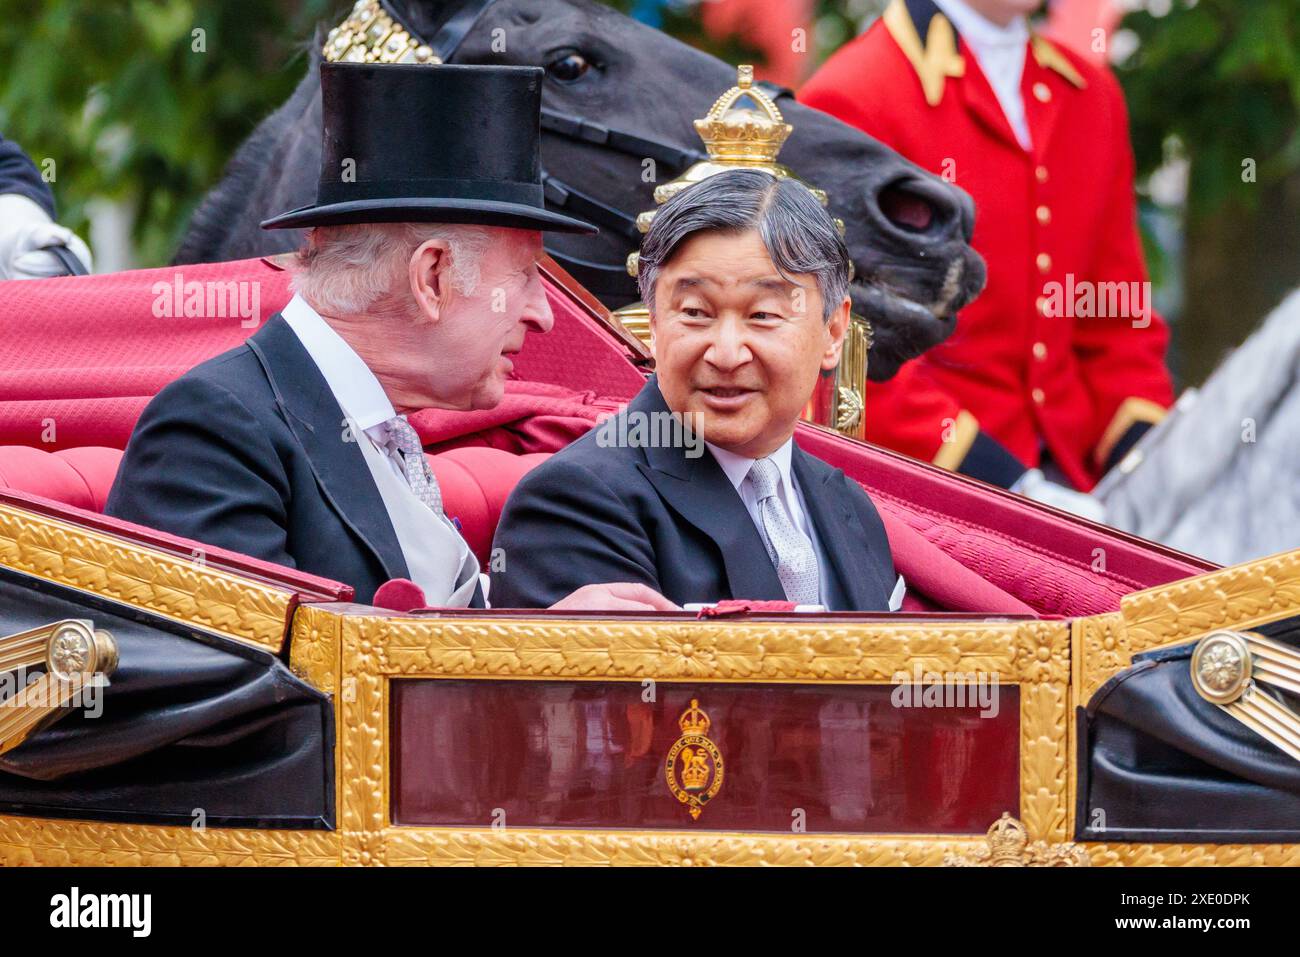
<point x="86" y="354"/>
<point x="948" y="565"/>
<point x="475" y="482"/>
<point x="79" y="477"/>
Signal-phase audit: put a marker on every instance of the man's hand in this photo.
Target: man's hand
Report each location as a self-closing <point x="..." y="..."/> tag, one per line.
<point x="615" y="596"/>
<point x="1033" y="484"/>
<point x="26" y="239"/>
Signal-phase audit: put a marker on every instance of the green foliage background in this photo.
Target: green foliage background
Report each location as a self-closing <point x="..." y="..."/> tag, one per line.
<point x="115" y="93"/>
<point x="1217" y="83"/>
<point x="1223" y="78"/>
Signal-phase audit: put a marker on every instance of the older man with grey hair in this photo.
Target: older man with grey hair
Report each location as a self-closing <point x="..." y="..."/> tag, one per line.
<point x="417" y="282"/>
<point x="697" y="489"/>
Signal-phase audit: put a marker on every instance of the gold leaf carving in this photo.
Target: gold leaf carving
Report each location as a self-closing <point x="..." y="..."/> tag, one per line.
<point x="513" y="846"/>
<point x="1240" y="597"/>
<point x="28" y="841"/>
<point x="233" y="606"/>
<point x="377" y="648"/>
<point x="1194" y="855"/>
<point x="314" y="648"/>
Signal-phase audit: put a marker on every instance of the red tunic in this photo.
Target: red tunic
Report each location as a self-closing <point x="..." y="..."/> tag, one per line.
<point x="1040" y="359"/>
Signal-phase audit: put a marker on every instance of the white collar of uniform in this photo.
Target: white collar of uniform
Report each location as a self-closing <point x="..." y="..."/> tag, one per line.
<point x="737" y="467"/>
<point x="979" y="32"/>
<point x="358" y="392"/>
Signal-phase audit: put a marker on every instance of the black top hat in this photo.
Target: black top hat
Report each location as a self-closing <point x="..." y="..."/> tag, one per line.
<point x="436" y="144"/>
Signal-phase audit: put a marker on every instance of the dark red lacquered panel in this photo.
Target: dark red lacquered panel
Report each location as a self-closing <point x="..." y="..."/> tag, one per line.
<point x="592" y="754"/>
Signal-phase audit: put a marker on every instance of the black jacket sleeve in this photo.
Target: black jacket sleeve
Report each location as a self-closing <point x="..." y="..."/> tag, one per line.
<point x="878" y="552"/>
<point x="563" y="528"/>
<point x="990" y="461"/>
<point x="200" y="465"/>
<point x="18" y="174"/>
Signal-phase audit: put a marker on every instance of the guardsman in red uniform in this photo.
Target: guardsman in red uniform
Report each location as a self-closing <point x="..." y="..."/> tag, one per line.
<point x="1059" y="364"/>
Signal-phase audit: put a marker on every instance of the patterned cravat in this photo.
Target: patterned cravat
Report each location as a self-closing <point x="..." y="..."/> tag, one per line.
<point x="418" y="474"/>
<point x="790" y="550"/>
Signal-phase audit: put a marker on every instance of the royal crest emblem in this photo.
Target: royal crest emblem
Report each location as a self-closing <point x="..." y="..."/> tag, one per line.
<point x="693" y="767"/>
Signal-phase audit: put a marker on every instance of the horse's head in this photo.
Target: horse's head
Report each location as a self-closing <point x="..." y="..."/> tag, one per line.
<point x="908" y="231"/>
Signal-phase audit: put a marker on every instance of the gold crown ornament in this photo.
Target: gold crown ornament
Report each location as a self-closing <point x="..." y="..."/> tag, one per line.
<point x="1007" y="844"/>
<point x="693" y="768"/>
<point x="694" y="720"/>
<point x="736" y="137"/>
<point x="734" y="134"/>
<point x="744" y="129"/>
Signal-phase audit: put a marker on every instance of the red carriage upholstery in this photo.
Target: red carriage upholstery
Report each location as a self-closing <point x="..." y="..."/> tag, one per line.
<point x="82" y="357"/>
<point x="475" y="481"/>
<point x="77" y="477"/>
<point x="85" y="355"/>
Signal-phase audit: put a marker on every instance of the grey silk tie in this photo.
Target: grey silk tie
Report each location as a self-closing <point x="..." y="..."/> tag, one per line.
<point x="790" y="550"/>
<point x="418" y="474"/>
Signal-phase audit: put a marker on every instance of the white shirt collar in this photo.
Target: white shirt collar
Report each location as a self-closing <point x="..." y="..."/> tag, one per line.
<point x="1000" y="52"/>
<point x="737" y="467"/>
<point x="982" y="33"/>
<point x="358" y="392"/>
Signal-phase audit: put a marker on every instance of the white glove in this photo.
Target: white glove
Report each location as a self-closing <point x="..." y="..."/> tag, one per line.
<point x="26" y="236"/>
<point x="1033" y="484"/>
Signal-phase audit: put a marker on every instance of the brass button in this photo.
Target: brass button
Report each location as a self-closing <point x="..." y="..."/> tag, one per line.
<point x="1040" y="351"/>
<point x="1038" y="396"/>
<point x="1044" y="215"/>
<point x="1041" y="304"/>
<point x="1040" y="173"/>
<point x="1044" y="262"/>
<point x="1042" y="93"/>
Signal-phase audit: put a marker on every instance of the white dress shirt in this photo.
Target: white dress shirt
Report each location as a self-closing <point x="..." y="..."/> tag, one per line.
<point x="1001" y="55"/>
<point x="736" y="468"/>
<point x="438" y="559"/>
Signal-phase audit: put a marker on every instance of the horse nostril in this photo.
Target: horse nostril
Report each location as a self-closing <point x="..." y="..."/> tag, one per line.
<point x="906" y="209"/>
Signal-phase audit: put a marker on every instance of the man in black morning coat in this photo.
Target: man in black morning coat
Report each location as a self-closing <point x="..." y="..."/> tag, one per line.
<point x="697" y="489"/>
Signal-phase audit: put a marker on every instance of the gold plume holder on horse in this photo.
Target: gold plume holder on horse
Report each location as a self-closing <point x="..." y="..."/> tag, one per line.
<point x="750" y="137"/>
<point x="74" y="655"/>
<point x="370" y="35"/>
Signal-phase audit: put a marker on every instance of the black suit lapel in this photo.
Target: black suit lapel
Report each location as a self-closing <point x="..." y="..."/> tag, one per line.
<point x="699" y="491"/>
<point x="842" y="536"/>
<point x="314" y="415"/>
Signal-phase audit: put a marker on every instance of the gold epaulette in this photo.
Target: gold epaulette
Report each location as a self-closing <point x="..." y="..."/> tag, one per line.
<point x="936" y="59"/>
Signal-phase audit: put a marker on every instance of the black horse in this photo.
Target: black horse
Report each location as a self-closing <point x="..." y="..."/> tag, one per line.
<point x="908" y="231"/>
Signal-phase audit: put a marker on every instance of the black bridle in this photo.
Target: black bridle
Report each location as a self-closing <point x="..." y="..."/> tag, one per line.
<point x="601" y="278"/>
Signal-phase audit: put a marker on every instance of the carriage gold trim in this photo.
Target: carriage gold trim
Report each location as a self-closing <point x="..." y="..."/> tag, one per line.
<point x="354" y="653"/>
<point x="75" y="655"/>
<point x="183" y="589"/>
